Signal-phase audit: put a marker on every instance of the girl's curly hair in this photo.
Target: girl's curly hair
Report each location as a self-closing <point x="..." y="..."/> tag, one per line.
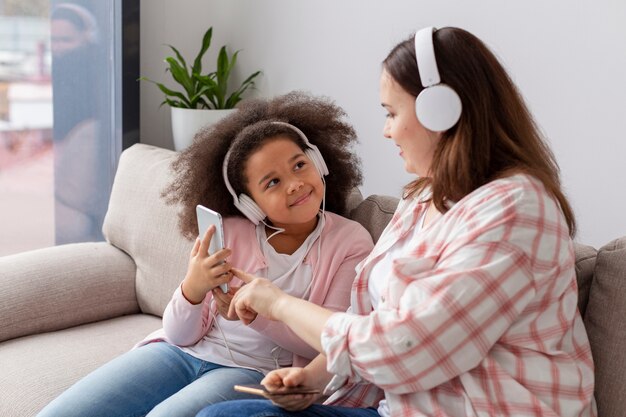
<point x="198" y="169"/>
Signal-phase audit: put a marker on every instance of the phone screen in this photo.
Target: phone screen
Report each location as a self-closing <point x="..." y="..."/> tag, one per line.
<point x="207" y="217"/>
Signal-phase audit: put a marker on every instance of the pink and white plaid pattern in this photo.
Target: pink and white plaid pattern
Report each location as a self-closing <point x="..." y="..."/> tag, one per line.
<point x="479" y="317"/>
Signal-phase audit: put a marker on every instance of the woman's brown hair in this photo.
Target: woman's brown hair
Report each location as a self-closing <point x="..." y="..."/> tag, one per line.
<point x="198" y="169"/>
<point x="496" y="134"/>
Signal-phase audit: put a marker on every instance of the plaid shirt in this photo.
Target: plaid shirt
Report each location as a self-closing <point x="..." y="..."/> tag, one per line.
<point x="478" y="318"/>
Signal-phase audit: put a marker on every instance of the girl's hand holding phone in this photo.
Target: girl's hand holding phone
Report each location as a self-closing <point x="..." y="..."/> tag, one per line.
<point x="205" y="271"/>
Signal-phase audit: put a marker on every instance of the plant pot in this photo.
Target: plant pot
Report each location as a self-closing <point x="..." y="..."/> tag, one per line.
<point x="187" y="122"/>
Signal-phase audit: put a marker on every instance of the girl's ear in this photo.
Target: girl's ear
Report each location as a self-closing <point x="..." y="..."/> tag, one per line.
<point x="242" y="202"/>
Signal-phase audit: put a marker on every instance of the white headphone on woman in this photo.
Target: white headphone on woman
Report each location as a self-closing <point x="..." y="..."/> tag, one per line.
<point x="438" y="106"/>
<point x="244" y="203"/>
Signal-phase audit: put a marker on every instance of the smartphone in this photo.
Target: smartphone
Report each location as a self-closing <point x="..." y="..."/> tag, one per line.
<point x="258" y="389"/>
<point x="207" y="217"/>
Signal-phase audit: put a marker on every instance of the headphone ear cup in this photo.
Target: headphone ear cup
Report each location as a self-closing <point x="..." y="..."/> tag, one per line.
<point x="250" y="209"/>
<point x="318" y="161"/>
<point x="438" y="107"/>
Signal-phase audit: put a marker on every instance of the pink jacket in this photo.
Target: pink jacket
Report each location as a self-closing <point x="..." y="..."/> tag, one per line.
<point x="344" y="244"/>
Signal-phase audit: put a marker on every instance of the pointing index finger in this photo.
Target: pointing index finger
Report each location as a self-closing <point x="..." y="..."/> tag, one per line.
<point x="244" y="276"/>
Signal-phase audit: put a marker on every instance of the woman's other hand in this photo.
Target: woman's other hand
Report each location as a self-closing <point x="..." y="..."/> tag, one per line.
<point x="291" y="377"/>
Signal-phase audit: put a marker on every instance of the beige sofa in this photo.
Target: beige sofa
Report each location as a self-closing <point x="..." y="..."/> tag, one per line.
<point x="65" y="310"/>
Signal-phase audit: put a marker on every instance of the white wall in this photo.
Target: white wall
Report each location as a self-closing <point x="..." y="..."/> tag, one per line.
<point x="567" y="57"/>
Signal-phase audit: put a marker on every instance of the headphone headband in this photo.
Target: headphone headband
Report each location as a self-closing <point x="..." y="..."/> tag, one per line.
<point x="425" y="55"/>
<point x="438" y="107"/>
<point x="315" y="156"/>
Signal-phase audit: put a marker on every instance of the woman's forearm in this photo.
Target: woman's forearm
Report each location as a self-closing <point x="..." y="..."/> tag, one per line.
<point x="316" y="369"/>
<point x="306" y="319"/>
<point x="260" y="296"/>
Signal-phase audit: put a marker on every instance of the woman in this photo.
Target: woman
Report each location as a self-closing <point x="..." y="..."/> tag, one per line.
<point x="468" y="303"/>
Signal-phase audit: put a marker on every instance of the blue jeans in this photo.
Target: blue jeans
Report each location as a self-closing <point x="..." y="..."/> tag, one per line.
<point x="157" y="380"/>
<point x="264" y="408"/>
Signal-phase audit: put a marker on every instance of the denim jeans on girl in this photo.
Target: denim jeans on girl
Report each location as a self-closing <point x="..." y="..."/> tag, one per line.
<point x="156" y="380"/>
<point x="264" y="408"/>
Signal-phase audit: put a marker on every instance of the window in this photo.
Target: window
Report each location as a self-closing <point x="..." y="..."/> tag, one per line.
<point x="66" y="111"/>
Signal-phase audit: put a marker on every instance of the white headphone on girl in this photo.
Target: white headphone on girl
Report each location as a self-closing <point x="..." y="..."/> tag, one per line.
<point x="244" y="203"/>
<point x="438" y="106"/>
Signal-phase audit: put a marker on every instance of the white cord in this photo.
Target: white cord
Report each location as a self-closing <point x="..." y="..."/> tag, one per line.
<point x="278" y="230"/>
<point x="230" y="353"/>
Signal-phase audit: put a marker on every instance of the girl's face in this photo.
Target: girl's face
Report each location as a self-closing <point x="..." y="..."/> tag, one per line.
<point x="284" y="183"/>
<point x="417" y="144"/>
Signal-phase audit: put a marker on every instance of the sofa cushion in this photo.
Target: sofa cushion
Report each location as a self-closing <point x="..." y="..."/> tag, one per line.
<point x="63" y="286"/>
<point x="585" y="263"/>
<point x="140" y="223"/>
<point x="37" y="368"/>
<point x="374" y="213"/>
<point x="606" y="327"/>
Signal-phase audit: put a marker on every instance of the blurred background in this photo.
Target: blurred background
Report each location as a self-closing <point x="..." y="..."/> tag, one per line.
<point x="62" y="66"/>
<point x="26" y="146"/>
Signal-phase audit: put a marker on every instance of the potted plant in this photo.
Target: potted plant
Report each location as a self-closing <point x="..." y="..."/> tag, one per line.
<point x="205" y="98"/>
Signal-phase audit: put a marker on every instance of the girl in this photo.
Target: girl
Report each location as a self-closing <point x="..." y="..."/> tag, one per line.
<point x="467" y="306"/>
<point x="278" y="162"/>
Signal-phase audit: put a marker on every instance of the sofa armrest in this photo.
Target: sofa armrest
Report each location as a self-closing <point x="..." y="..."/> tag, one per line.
<point x="59" y="287"/>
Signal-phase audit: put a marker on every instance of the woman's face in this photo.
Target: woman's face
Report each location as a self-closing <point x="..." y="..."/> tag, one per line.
<point x="417" y="144"/>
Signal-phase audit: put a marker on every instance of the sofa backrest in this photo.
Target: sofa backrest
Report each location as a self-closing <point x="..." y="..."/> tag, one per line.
<point x="605" y="321"/>
<point x="140" y="223"/>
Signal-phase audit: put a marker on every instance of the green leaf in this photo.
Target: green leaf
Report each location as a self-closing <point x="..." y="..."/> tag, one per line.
<point x="180" y="75"/>
<point x="184" y="100"/>
<point x="222" y="75"/>
<point x="206" y="43"/>
<point x="251" y="77"/>
<point x="166" y="90"/>
<point x="233" y="59"/>
<point x="235" y="97"/>
<point x="206" y="79"/>
<point x="210" y="97"/>
<point x="202" y="91"/>
<point x="181" y="60"/>
<point x="206" y="88"/>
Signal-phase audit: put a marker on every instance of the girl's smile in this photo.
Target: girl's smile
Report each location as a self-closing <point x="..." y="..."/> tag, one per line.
<point x="303" y="199"/>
